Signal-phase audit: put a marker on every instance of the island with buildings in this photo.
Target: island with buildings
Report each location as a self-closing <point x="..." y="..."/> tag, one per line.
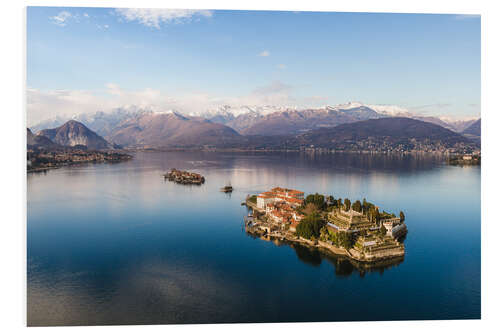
<point x="357" y="230"/>
<point x="184" y="177"/>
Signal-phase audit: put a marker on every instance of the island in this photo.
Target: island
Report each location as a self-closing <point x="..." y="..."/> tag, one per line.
<point x="184" y="177"/>
<point x="43" y="160"/>
<point x="357" y="230"/>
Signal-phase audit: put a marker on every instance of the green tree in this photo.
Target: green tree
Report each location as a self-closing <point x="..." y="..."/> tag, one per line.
<point x="345" y="239"/>
<point x="402" y="216"/>
<point x="347" y="204"/>
<point x="377" y="216"/>
<point x="310" y="226"/>
<point x="365" y="205"/>
<point x="316" y="199"/>
<point x="357" y="206"/>
<point x="382" y="231"/>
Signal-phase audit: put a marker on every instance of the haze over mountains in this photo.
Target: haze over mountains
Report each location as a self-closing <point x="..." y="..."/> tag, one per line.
<point x="250" y="126"/>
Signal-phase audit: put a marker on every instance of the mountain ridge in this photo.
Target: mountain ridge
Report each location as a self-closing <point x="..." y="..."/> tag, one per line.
<point x="73" y="133"/>
<point x="262" y="120"/>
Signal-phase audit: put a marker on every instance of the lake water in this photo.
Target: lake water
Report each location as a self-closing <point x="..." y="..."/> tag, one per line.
<point x="116" y="244"/>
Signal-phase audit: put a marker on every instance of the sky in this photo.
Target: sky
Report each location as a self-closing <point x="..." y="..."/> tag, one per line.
<point x="96" y="59"/>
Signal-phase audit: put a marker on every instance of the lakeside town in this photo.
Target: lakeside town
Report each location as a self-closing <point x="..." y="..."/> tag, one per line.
<point x="357" y="230"/>
<point x="41" y="160"/>
<point x="465" y="159"/>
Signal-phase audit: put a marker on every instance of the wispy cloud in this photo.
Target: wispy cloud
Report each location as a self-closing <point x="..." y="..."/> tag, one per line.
<point x="431" y="106"/>
<point x="281" y="66"/>
<point x="61" y="19"/>
<point x="273" y="88"/>
<point x="264" y="53"/>
<point x="155" y="17"/>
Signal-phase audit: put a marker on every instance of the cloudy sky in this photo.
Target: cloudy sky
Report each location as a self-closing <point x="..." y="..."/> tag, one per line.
<point x="91" y="59"/>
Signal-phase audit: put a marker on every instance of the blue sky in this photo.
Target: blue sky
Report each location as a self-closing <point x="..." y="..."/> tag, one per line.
<point x="89" y="59"/>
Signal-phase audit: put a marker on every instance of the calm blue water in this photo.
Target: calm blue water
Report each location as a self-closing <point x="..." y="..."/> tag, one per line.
<point x="115" y="244"/>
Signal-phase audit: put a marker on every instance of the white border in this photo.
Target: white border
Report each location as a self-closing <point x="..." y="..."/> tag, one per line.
<point x="12" y="138"/>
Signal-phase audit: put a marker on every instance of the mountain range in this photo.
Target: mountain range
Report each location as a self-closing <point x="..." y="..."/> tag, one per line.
<point x="259" y="127"/>
<point x="261" y="120"/>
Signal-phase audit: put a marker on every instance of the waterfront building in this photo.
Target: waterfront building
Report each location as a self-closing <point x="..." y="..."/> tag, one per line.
<point x="294" y="198"/>
<point x="394" y="226"/>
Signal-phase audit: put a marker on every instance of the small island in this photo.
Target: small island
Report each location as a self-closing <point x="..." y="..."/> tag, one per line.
<point x="184" y="177"/>
<point x="357" y="230"/>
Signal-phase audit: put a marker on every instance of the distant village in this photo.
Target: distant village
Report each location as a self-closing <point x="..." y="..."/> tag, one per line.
<point x="41" y="160"/>
<point x="465" y="159"/>
<point x="357" y="230"/>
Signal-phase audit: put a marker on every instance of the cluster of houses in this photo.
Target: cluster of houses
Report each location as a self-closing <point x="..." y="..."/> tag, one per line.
<point x="40" y="159"/>
<point x="280" y="206"/>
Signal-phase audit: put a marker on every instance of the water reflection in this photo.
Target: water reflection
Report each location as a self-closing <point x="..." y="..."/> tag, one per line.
<point x="115" y="244"/>
<point x="343" y="266"/>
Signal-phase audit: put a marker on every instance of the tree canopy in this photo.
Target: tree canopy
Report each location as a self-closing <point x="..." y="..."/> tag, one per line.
<point x="317" y="199"/>
<point x="310" y="226"/>
<point x="357" y="206"/>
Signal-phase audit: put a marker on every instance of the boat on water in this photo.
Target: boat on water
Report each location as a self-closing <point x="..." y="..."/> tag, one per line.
<point x="227" y="189"/>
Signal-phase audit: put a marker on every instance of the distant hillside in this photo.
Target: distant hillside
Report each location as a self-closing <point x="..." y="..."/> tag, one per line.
<point x="74" y="133"/>
<point x="170" y="129"/>
<point x="296" y="122"/>
<point x="39" y="141"/>
<point x="380" y="134"/>
<point x="474" y="129"/>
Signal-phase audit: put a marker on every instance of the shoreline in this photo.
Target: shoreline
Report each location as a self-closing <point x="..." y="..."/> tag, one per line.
<point x="327" y="248"/>
<point x="62" y="165"/>
<point x="307" y="150"/>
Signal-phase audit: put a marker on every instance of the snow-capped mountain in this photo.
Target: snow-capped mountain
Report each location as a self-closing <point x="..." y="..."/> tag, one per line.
<point x="100" y="122"/>
<point x="260" y="120"/>
<point x="226" y="113"/>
